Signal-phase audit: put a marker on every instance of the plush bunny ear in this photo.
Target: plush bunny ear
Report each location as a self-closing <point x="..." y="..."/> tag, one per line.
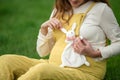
<point x="63" y="30"/>
<point x="74" y="26"/>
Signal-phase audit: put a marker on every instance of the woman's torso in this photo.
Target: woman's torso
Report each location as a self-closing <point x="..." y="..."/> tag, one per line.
<point x="91" y="31"/>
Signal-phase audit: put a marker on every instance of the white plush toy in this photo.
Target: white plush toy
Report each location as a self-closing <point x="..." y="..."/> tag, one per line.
<point x="69" y="57"/>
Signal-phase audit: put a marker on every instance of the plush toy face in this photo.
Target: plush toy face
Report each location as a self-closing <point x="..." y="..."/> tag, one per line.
<point x="70" y="33"/>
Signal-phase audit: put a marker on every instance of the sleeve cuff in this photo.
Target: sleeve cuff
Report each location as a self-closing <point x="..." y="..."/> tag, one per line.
<point x="105" y="52"/>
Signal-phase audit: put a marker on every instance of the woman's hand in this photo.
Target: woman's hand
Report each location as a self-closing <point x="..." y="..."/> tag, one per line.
<point x="85" y="48"/>
<point x="53" y="23"/>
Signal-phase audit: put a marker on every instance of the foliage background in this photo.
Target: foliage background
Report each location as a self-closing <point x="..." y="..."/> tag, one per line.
<point x="20" y="21"/>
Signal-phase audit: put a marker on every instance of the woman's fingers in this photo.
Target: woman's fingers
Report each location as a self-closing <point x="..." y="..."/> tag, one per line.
<point x="52" y="23"/>
<point x="55" y="23"/>
<point x="85" y="42"/>
<point x="78" y="42"/>
<point x="78" y="45"/>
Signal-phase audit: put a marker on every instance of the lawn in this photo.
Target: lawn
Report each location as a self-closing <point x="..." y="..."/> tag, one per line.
<point x="20" y="21"/>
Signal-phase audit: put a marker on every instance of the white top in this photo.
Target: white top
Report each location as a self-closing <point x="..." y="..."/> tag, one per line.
<point x="99" y="23"/>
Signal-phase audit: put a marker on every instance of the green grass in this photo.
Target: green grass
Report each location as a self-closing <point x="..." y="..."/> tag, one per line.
<point x="20" y="21"/>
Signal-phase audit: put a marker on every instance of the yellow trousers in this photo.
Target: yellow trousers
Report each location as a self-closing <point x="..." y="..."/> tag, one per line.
<point x="15" y="67"/>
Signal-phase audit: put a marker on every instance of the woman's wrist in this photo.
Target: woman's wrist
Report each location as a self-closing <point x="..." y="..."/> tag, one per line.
<point x="44" y="29"/>
<point x="96" y="54"/>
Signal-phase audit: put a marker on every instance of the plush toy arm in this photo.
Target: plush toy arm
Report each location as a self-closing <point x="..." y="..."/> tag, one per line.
<point x="63" y="30"/>
<point x="74" y="26"/>
<point x="81" y="37"/>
